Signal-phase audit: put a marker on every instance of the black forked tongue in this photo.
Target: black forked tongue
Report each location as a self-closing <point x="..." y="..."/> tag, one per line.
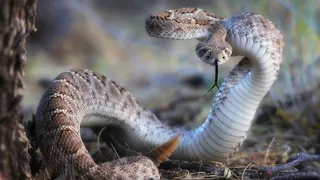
<point x="215" y="77"/>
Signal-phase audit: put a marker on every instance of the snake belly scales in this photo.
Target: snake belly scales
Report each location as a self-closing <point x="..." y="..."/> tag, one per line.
<point x="80" y="96"/>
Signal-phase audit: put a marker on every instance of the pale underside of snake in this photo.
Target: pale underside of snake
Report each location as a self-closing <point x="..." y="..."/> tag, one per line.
<point x="83" y="97"/>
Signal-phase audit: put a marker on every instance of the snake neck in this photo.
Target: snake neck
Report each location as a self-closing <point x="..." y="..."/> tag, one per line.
<point x="240" y="94"/>
<point x="231" y="114"/>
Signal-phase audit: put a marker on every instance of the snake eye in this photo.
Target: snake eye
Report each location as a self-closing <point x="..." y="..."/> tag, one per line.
<point x="202" y="52"/>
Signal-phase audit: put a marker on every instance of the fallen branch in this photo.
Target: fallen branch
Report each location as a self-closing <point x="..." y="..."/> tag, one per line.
<point x="296" y="162"/>
<point x="298" y="175"/>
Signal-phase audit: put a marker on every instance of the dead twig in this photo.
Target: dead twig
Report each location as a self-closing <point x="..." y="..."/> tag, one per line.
<point x="298" y="175"/>
<point x="276" y="172"/>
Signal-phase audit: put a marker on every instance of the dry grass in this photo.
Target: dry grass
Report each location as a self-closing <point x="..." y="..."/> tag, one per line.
<point x="288" y="119"/>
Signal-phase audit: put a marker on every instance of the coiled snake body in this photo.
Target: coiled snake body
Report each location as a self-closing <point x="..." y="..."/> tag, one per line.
<point x="83" y="97"/>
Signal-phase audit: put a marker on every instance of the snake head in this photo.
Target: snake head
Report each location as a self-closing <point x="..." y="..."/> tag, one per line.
<point x="211" y="53"/>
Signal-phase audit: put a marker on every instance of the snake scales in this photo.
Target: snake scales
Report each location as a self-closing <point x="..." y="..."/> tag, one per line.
<point x="83" y="97"/>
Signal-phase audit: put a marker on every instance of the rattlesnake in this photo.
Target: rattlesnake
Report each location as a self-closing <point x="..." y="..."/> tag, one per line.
<point x="82" y="96"/>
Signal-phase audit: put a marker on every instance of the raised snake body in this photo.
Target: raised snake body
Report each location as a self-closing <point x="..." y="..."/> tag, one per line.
<point x="83" y="97"/>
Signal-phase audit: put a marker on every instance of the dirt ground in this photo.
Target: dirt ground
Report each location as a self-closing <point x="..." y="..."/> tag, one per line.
<point x="168" y="78"/>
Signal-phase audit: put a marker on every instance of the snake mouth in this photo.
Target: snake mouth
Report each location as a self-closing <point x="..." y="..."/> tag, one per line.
<point x="206" y="55"/>
<point x="216" y="62"/>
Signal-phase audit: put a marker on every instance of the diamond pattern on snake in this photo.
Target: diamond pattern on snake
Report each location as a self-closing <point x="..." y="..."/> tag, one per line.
<point x="80" y="97"/>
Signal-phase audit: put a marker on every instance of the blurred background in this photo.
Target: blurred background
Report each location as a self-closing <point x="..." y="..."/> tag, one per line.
<point x="166" y="76"/>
